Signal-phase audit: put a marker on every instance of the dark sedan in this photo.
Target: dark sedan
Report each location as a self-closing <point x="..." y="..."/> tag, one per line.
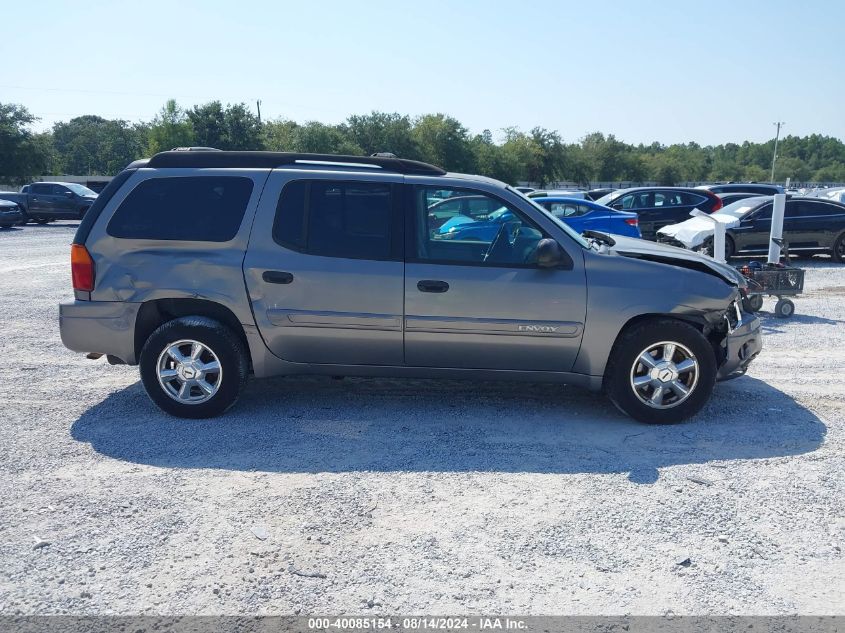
<point x="810" y="226"/>
<point x="660" y="206"/>
<point x="10" y="214"/>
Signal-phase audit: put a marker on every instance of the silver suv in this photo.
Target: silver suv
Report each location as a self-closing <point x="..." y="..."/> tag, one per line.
<point x="203" y="267"/>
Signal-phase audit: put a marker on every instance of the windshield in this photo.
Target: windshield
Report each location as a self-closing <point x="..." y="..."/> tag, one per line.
<point x="569" y="231"/>
<point x="606" y="198"/>
<point x="80" y="189"/>
<point x="741" y="207"/>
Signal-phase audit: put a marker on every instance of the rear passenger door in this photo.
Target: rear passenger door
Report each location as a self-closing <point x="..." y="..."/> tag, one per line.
<point x="325" y="269"/>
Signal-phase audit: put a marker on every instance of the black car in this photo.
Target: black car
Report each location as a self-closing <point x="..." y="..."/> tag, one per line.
<point x="660" y="206"/>
<point x="10" y="214"/>
<point x="730" y="198"/>
<point x="758" y="188"/>
<point x="810" y="226"/>
<point x="595" y="194"/>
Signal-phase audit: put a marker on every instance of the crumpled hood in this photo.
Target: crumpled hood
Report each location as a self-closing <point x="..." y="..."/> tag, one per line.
<point x="652" y="251"/>
<point x="693" y="232"/>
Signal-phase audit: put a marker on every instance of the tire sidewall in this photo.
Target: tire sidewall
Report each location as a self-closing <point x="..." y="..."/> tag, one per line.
<point x="641" y="337"/>
<point x="225" y="345"/>
<point x="836" y="255"/>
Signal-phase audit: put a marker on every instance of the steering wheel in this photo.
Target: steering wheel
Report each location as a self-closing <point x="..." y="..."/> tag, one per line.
<point x="502" y="234"/>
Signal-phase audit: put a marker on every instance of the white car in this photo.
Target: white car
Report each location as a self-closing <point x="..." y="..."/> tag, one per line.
<point x="694" y="232"/>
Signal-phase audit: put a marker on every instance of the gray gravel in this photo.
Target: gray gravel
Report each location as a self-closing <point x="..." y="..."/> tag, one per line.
<point x="413" y="496"/>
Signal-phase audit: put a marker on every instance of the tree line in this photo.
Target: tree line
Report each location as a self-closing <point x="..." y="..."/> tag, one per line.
<point x="91" y="144"/>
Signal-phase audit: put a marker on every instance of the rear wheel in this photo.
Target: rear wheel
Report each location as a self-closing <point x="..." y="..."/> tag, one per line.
<point x="784" y="309"/>
<point x="661" y="371"/>
<point x="730" y="247"/>
<point x="40" y="220"/>
<point x="839" y="249"/>
<point x="193" y="367"/>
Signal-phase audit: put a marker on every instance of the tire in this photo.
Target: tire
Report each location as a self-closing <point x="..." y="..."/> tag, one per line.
<point x="40" y="220"/>
<point x="218" y="342"/>
<point x="753" y="303"/>
<point x="730" y="247"/>
<point x="838" y="252"/>
<point x="5" y="226"/>
<point x="672" y="406"/>
<point x="82" y="212"/>
<point x="784" y="309"/>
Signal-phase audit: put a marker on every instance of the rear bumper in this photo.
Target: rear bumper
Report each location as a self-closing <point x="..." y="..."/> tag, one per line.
<point x="742" y="345"/>
<point x="105" y="327"/>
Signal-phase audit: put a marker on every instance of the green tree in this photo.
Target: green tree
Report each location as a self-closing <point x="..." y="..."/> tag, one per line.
<point x="170" y="128"/>
<point x="312" y="137"/>
<point x="383" y="132"/>
<point x="243" y="130"/>
<point x="208" y="122"/>
<point x="443" y="141"/>
<point x="23" y="155"/>
<point x="93" y="145"/>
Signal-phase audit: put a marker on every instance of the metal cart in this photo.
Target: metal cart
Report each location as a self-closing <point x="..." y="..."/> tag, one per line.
<point x="774" y="280"/>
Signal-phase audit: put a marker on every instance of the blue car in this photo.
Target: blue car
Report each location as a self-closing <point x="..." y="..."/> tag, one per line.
<point x="581" y="215"/>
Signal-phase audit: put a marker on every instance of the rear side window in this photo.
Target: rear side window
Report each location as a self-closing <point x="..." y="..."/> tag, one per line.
<point x="335" y="219"/>
<point x="201" y="209"/>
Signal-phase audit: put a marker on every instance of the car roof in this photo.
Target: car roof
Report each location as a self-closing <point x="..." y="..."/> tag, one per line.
<point x="633" y="189"/>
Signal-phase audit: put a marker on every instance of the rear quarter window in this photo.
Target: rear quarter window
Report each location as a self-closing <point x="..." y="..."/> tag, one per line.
<point x="193" y="208"/>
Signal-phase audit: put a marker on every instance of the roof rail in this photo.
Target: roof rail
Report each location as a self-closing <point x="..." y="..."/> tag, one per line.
<point x="271" y="160"/>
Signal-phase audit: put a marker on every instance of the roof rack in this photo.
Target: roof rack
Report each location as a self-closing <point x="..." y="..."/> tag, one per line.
<point x="200" y="159"/>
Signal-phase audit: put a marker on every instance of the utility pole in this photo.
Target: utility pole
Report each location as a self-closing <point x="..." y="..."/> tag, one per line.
<point x="779" y="124"/>
<point x="258" y="106"/>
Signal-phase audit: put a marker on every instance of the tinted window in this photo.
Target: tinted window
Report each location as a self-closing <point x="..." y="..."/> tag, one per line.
<point x="805" y="209"/>
<point x="43" y="189"/>
<point x="504" y="237"/>
<point x="59" y="190"/>
<point x="765" y="213"/>
<point x="335" y="219"/>
<point x="203" y="209"/>
<point x="289" y="225"/>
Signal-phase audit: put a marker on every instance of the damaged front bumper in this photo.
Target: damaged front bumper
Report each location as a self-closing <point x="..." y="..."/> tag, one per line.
<point x="743" y="342"/>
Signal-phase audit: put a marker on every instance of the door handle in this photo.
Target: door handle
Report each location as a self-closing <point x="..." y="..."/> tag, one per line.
<point x="432" y="285"/>
<point x="277" y="277"/>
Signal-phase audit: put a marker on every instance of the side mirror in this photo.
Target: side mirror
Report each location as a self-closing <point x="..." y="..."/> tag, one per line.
<point x="548" y="253"/>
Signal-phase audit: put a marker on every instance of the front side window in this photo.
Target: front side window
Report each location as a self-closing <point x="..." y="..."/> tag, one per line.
<point x="203" y="209"/>
<point x="335" y="219"/>
<point x="502" y="237"/>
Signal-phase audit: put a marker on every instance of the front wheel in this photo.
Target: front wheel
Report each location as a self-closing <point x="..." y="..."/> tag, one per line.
<point x="193" y="367"/>
<point x="661" y="371"/>
<point x="40" y="220"/>
<point x="784" y="309"/>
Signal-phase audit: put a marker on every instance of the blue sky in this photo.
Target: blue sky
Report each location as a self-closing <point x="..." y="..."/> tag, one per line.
<point x="670" y="71"/>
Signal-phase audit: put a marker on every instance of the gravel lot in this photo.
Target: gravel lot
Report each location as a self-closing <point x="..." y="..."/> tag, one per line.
<point x="413" y="496"/>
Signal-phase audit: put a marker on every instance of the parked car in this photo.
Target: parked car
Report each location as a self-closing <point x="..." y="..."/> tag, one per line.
<point x="578" y="214"/>
<point x="559" y="193"/>
<point x="44" y="202"/>
<point x="584" y="215"/>
<point x="810" y="226"/>
<point x="595" y="194"/>
<point x="204" y="267"/>
<point x="10" y="214"/>
<point x="441" y="210"/>
<point x="761" y="189"/>
<point x="660" y="206"/>
<point x="837" y="194"/>
<point x="730" y="198"/>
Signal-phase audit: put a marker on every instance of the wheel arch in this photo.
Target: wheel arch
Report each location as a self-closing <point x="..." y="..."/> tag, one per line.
<point x="697" y="321"/>
<point x="157" y="312"/>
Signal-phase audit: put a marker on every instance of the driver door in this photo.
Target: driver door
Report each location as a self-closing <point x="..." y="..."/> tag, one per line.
<point x="481" y="303"/>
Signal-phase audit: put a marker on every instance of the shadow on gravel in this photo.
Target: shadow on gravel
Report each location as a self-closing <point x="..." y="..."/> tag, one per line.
<point x="774" y="325"/>
<point x="315" y="424"/>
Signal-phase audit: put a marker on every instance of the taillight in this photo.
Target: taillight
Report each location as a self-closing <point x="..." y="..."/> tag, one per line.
<point x="632" y="221"/>
<point x="718" y="204"/>
<point x="81" y="268"/>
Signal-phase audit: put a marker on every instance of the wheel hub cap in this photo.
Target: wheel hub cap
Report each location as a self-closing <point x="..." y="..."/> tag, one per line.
<point x="664" y="375"/>
<point x="189" y="372"/>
